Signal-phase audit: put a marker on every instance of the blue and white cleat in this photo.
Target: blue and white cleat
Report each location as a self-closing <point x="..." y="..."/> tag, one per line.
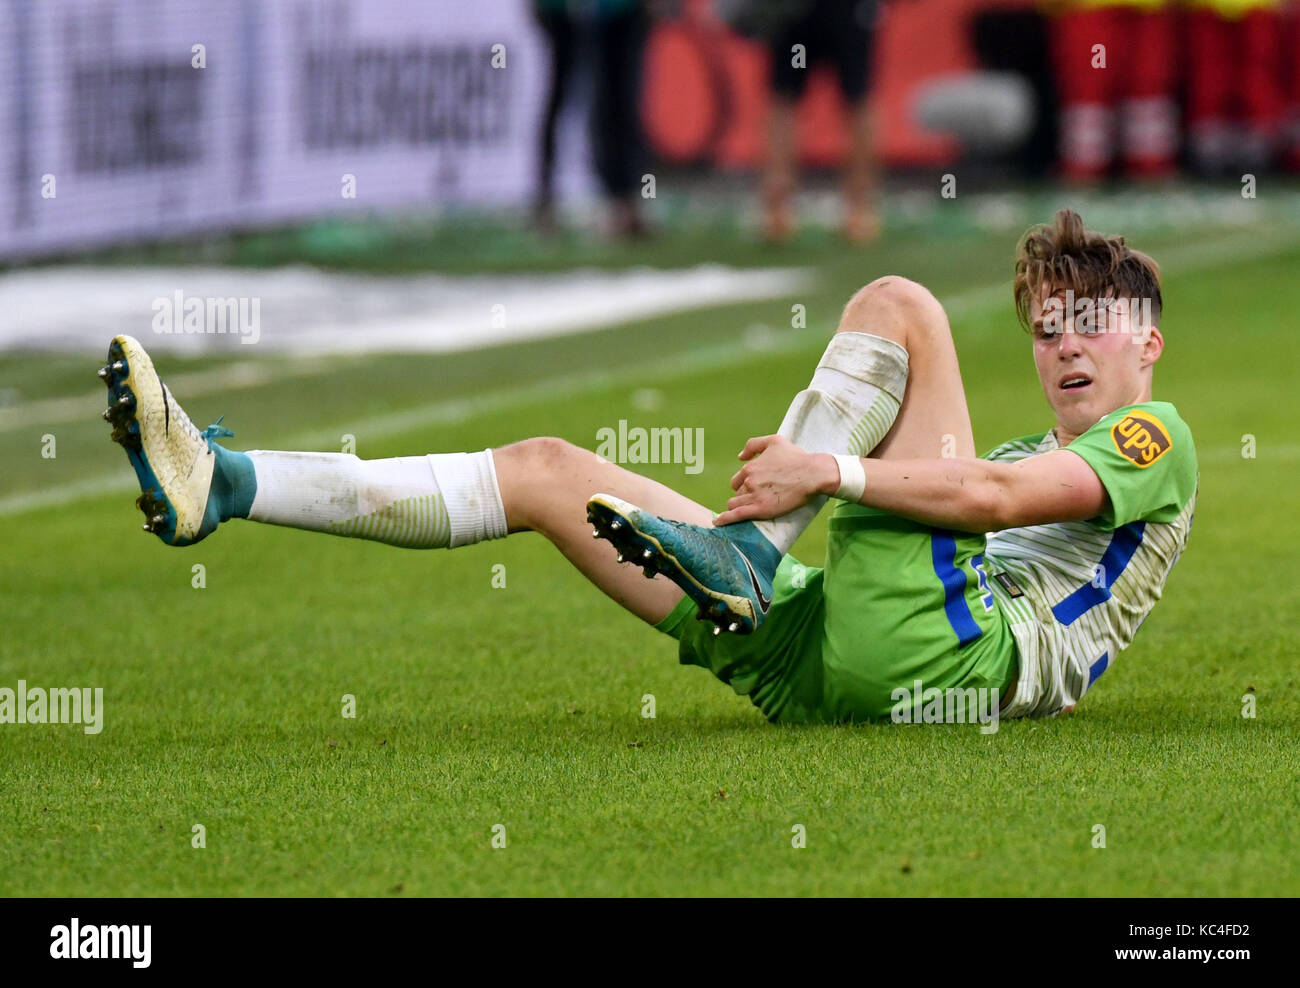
<point x="174" y="461"/>
<point x="727" y="571"/>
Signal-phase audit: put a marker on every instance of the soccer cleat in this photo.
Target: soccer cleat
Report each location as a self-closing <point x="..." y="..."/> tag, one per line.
<point x="727" y="571"/>
<point x="174" y="461"/>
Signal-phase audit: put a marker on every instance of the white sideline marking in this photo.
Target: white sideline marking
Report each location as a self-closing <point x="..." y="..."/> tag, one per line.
<point x="233" y="377"/>
<point x="1182" y="260"/>
<point x="306" y="311"/>
<point x="1264" y="452"/>
<point x="317" y="314"/>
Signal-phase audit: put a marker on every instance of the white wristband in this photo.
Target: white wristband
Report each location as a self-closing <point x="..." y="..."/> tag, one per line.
<point x="853" y="479"/>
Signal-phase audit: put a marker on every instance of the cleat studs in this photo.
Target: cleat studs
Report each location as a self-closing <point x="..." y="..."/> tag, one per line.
<point x="126" y="401"/>
<point x="125" y="437"/>
<point x="103" y="373"/>
<point x="616" y="524"/>
<point x="622" y="558"/>
<point x="595" y="533"/>
<point x="106" y="414"/>
<point x="156" y="523"/>
<point x="649" y="573"/>
<point x="717" y="630"/>
<point x="733" y="627"/>
<point x="647" y="554"/>
<point x="119" y="367"/>
<point x="153" y="505"/>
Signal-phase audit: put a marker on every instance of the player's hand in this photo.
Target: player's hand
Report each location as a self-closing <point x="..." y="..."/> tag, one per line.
<point x="778" y="477"/>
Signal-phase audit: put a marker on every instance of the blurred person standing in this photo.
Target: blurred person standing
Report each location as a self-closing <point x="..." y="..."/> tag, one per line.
<point x="1291" y="58"/>
<point x="1116" y="73"/>
<point x="1235" y="87"/>
<point x="802" y="35"/>
<point x="611" y="35"/>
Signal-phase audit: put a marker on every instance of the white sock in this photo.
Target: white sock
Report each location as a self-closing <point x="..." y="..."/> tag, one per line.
<point x="848" y="407"/>
<point x="420" y="502"/>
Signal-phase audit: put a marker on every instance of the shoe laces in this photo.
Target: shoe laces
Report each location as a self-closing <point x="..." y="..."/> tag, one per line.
<point x="215" y="431"/>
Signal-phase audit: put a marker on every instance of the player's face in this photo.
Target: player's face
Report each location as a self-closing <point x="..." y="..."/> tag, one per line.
<point x="1093" y="356"/>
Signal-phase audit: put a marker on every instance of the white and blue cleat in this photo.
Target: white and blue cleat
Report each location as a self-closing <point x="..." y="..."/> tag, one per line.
<point x="174" y="461"/>
<point x="726" y="571"/>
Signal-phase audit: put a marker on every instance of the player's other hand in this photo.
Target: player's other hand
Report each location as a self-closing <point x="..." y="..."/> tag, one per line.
<point x="778" y="477"/>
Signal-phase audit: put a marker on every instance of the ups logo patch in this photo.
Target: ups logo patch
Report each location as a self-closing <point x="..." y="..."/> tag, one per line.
<point x="1141" y="437"/>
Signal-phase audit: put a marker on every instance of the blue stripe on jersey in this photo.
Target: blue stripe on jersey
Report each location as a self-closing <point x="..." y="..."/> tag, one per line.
<point x="1098" y="668"/>
<point x="943" y="552"/>
<point x="1123" y="544"/>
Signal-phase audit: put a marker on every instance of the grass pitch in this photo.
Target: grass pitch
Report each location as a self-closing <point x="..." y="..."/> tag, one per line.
<point x="521" y="706"/>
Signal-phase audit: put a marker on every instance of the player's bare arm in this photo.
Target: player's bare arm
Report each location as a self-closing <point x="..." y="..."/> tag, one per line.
<point x="967" y="494"/>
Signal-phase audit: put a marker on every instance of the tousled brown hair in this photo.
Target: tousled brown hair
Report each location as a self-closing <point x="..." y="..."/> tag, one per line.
<point x="1064" y="254"/>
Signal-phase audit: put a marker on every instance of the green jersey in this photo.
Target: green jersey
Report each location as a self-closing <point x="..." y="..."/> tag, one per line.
<point x="1075" y="593"/>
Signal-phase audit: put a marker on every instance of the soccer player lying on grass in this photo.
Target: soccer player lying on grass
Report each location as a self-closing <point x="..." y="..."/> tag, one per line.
<point x="1024" y="573"/>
